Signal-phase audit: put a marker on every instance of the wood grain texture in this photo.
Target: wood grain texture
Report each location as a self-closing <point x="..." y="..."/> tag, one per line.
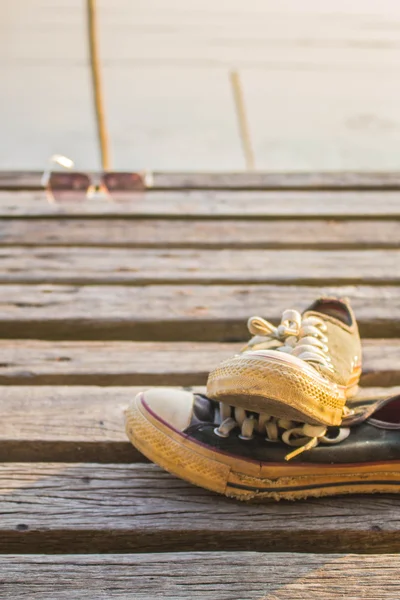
<point x="206" y="575"/>
<point x="81" y="424"/>
<point x="20" y="180"/>
<point x="66" y="508"/>
<point x="212" y="204"/>
<point x="68" y="424"/>
<point x="176" y="313"/>
<point x="342" y="180"/>
<point x="178" y="233"/>
<point x="79" y="266"/>
<point x="29" y="362"/>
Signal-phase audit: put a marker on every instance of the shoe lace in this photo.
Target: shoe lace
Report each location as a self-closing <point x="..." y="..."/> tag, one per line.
<point x="302" y="337"/>
<point x="300" y="435"/>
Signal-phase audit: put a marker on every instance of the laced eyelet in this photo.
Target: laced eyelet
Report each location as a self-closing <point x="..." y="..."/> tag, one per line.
<point x="302" y="436"/>
<point x="342" y="434"/>
<point x="219" y="433"/>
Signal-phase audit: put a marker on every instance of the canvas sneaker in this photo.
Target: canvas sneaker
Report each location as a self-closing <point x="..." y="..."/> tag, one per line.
<point x="303" y="370"/>
<point x="244" y="455"/>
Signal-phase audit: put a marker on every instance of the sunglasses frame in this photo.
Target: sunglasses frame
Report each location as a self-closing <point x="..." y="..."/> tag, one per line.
<point x="97" y="185"/>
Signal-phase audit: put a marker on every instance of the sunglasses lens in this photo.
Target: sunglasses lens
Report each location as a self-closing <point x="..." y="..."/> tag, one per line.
<point x="124" y="181"/>
<point x="68" y="186"/>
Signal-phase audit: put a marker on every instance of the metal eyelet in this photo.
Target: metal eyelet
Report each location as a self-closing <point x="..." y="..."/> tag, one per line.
<point x="220" y="434"/>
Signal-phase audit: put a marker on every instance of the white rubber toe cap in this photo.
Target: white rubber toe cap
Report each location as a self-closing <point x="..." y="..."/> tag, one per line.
<point x="175" y="407"/>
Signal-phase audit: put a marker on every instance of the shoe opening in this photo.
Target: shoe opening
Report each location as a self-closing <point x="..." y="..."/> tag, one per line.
<point x="333" y="308"/>
<point x="389" y="413"/>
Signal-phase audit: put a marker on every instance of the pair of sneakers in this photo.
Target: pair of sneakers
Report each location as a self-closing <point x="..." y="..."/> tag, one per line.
<point x="277" y="420"/>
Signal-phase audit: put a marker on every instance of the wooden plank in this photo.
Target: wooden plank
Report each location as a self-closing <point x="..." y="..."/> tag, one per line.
<point x="240" y="575"/>
<point x="79" y="266"/>
<point x="34" y="426"/>
<point x="154" y="233"/>
<point x="343" y="180"/>
<point x="30" y="362"/>
<point x="67" y="424"/>
<point x="212" y="204"/>
<point x="67" y="508"/>
<point x="20" y="180"/>
<point x="176" y="313"/>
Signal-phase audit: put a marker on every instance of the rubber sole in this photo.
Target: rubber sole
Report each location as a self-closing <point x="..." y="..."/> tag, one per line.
<point x="280" y="385"/>
<point x="243" y="479"/>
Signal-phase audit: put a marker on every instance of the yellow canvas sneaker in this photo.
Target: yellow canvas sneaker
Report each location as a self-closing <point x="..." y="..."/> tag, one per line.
<point x="303" y="370"/>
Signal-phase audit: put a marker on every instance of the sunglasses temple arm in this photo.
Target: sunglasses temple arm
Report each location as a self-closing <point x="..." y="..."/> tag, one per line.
<point x="46" y="176"/>
<point x="148" y="179"/>
<point x="56" y="159"/>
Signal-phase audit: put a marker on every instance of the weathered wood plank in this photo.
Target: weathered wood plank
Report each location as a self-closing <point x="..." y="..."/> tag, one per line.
<point x="20" y="180"/>
<point x="124" y="508"/>
<point x="286" y="234"/>
<point x="343" y="180"/>
<point x="147" y="266"/>
<point x="176" y="313"/>
<point x="68" y="424"/>
<point x="29" y="362"/>
<point x="238" y="576"/>
<point x="81" y="424"/>
<point x="212" y="204"/>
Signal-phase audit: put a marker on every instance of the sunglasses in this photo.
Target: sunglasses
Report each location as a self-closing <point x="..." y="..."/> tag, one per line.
<point x="64" y="186"/>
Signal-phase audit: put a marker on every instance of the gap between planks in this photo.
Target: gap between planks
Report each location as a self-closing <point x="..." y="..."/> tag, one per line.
<point x="203" y="575"/>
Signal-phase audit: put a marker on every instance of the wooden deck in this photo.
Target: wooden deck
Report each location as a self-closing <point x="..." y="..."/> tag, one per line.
<point x="101" y="299"/>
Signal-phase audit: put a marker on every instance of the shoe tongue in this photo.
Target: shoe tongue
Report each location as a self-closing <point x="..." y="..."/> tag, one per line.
<point x="203" y="409"/>
<point x="331" y="307"/>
